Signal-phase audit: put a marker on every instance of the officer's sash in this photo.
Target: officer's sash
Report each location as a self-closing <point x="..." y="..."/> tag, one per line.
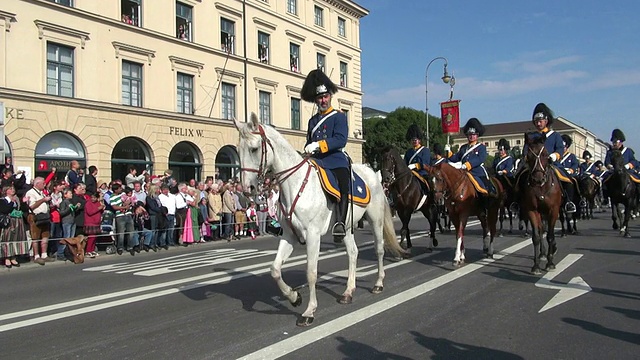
<point x="415" y="154"/>
<point x="503" y="160"/>
<point x="323" y="120"/>
<point x="469" y="151"/>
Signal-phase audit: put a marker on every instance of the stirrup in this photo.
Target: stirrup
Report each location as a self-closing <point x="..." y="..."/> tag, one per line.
<point x="570" y="207"/>
<point x="339" y="229"/>
<point x="514" y="207"/>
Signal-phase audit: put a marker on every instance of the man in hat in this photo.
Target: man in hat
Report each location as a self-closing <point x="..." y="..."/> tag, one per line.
<point x="628" y="155"/>
<point x="438" y="154"/>
<point x="569" y="169"/>
<point x="471" y="157"/>
<point x="417" y="156"/>
<point x="327" y="134"/>
<point x="542" y="120"/>
<point x="587" y="167"/>
<point x="503" y="163"/>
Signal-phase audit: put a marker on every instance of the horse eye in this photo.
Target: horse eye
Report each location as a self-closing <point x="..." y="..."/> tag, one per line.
<point x="253" y="150"/>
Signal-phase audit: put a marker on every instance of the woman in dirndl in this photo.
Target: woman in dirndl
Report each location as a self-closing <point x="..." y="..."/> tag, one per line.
<point x="13" y="238"/>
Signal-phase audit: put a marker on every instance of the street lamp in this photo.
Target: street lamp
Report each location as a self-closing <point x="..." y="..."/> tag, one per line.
<point x="445" y="79"/>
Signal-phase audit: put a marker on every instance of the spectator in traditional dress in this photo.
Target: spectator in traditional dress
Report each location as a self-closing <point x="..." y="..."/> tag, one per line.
<point x="13" y="238"/>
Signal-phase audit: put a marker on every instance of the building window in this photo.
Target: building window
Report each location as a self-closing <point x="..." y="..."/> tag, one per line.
<point x="131" y="10"/>
<point x="227" y="35"/>
<point x="318" y="16"/>
<point x="228" y="101"/>
<point x="346" y="114"/>
<point x="263" y="47"/>
<point x="295" y="114"/>
<point x="518" y="142"/>
<point x="321" y="61"/>
<point x="342" y="27"/>
<point x="292" y="7"/>
<point x="496" y="143"/>
<point x="294" y="57"/>
<point x="343" y="74"/>
<point x="68" y="3"/>
<point x="185" y="93"/>
<point x="131" y="84"/>
<point x="59" y="70"/>
<point x="265" y="107"/>
<point x="184" y="24"/>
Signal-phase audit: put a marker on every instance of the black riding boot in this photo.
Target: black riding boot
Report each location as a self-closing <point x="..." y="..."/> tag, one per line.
<point x="569" y="206"/>
<point x="339" y="229"/>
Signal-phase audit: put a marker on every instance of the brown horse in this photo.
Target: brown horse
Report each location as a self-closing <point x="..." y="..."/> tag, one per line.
<point x="622" y="191"/>
<point x="541" y="199"/>
<point x="407" y="193"/>
<point x="460" y="197"/>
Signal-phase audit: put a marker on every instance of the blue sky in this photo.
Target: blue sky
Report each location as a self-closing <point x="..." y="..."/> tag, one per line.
<point x="582" y="58"/>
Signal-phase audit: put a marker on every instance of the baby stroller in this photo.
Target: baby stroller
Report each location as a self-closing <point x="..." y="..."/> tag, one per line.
<point x="107" y="239"/>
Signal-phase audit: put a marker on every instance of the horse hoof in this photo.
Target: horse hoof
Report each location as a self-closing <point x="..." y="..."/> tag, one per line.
<point x="615" y="226"/>
<point x="298" y="301"/>
<point x="489" y="256"/>
<point x="542" y="257"/>
<point x="627" y="235"/>
<point x="345" y="299"/>
<point x="304" y="321"/>
<point x="429" y="250"/>
<point x="550" y="267"/>
<point x="510" y="232"/>
<point x="500" y="235"/>
<point x="485" y="250"/>
<point x="376" y="289"/>
<point x="536" y="270"/>
<point x="458" y="263"/>
<point x="563" y="236"/>
<point x="435" y="242"/>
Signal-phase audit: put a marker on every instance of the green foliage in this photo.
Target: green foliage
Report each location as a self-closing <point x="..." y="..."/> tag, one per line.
<point x="380" y="133"/>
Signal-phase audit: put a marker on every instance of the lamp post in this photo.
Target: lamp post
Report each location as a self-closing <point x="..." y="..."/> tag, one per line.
<point x="445" y="79"/>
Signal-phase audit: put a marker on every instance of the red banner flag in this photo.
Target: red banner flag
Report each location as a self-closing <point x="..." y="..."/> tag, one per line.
<point x="450" y="111"/>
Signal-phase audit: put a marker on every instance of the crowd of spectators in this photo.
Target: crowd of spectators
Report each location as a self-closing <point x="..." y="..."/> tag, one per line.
<point x="141" y="212"/>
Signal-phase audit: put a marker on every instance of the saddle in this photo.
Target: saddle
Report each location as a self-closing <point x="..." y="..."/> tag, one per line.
<point x="479" y="185"/>
<point x="361" y="195"/>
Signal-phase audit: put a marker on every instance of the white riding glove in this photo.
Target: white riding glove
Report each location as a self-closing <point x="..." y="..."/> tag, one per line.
<point x="627" y="166"/>
<point x="412" y="166"/>
<point x="312" y="147"/>
<point x="458" y="165"/>
<point x="501" y="172"/>
<point x="553" y="157"/>
<point x="447" y="148"/>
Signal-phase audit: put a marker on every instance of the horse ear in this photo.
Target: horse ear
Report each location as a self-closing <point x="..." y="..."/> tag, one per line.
<point x="237" y="124"/>
<point x="253" y="121"/>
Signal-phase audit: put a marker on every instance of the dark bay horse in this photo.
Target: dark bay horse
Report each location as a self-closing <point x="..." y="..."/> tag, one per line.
<point x="622" y="190"/>
<point x="406" y="191"/>
<point x="541" y="200"/>
<point x="589" y="189"/>
<point x="461" y="199"/>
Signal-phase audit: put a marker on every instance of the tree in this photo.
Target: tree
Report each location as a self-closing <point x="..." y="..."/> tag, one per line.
<point x="379" y="132"/>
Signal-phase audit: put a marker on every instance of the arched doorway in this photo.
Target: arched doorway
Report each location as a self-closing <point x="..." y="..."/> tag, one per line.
<point x="227" y="163"/>
<point x="7" y="152"/>
<point x="56" y="150"/>
<point x="185" y="162"/>
<point x="130" y="151"/>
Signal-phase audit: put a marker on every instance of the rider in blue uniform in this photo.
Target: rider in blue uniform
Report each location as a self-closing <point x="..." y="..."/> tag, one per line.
<point x="542" y="119"/>
<point x="327" y="134"/>
<point x="438" y="156"/>
<point x="418" y="155"/>
<point x="503" y="164"/>
<point x="588" y="167"/>
<point x="471" y="157"/>
<point x="630" y="162"/>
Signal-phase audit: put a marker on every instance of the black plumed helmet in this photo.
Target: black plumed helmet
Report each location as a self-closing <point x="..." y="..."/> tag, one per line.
<point x="542" y="111"/>
<point x="566" y="139"/>
<point x="616" y="135"/>
<point x="316" y="83"/>
<point x="473" y="126"/>
<point x="586" y="155"/>
<point x="503" y="144"/>
<point x="438" y="149"/>
<point x="413" y="132"/>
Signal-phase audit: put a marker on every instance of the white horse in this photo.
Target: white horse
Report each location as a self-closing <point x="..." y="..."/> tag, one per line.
<point x="306" y="214"/>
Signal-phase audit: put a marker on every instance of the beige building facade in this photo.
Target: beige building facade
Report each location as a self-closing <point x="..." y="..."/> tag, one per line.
<point x="155" y="84"/>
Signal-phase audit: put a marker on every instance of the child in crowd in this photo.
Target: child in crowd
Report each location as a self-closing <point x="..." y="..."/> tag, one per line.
<point x="67" y="218"/>
<point x="92" y="223"/>
<point x="252" y="217"/>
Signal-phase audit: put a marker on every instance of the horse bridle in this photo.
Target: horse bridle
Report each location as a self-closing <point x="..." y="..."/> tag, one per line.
<point x="393" y="178"/>
<point x="538" y="163"/>
<point x="262" y="168"/>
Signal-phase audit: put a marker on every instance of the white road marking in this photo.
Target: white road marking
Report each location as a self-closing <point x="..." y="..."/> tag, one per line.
<point x="319" y="332"/>
<point x="574" y="288"/>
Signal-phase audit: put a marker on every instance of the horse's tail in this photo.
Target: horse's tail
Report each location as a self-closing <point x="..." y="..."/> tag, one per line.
<point x="389" y="234"/>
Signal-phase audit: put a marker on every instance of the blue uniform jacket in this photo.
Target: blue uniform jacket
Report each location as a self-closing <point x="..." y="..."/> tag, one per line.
<point x="569" y="163"/>
<point x="553" y="144"/>
<point x="629" y="158"/>
<point x="332" y="136"/>
<point x="588" y="168"/>
<point x="504" y="163"/>
<point x="473" y="160"/>
<point x="420" y="156"/>
<point x="435" y="161"/>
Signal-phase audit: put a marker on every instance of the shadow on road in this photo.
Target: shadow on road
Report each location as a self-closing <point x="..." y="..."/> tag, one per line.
<point x="610" y="251"/>
<point x="356" y="350"/>
<point x="633" y="338"/>
<point x="447" y="349"/>
<point x="630" y="313"/>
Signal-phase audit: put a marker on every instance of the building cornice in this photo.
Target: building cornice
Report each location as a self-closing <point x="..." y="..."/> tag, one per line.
<point x="229" y="9"/>
<point x="8" y="19"/>
<point x="118" y="46"/>
<point x="349" y="7"/>
<point x="47" y="26"/>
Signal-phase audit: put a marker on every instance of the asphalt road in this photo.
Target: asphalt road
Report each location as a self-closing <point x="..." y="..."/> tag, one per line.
<point x="218" y="301"/>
